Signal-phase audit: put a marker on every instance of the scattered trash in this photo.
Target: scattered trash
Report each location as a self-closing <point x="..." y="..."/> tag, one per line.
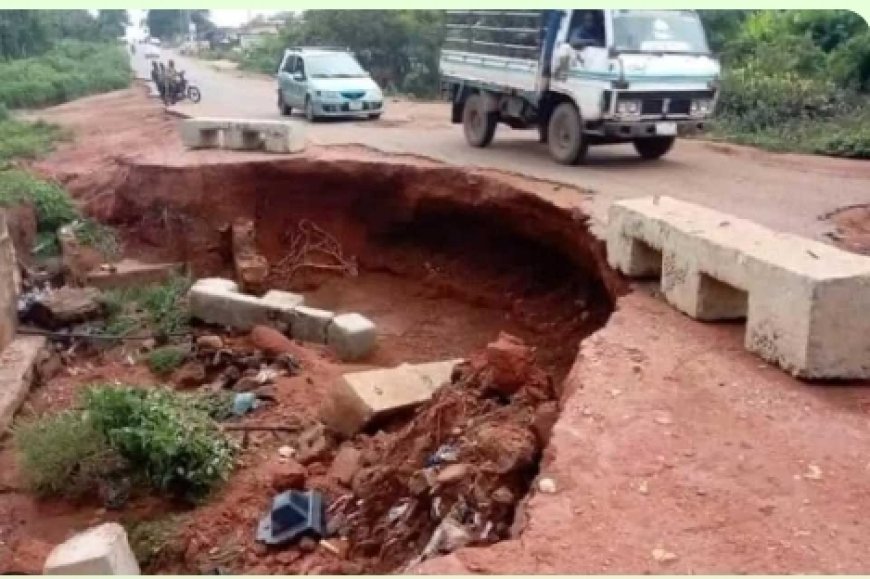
<point x="663" y="556"/>
<point x="813" y="473"/>
<point x="547" y="485"/>
<point x="293" y="514"/>
<point x="397" y="510"/>
<point x="286" y="452"/>
<point x="244" y="402"/>
<point x="445" y="453"/>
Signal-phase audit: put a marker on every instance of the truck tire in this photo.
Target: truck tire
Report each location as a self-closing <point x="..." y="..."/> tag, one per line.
<point x="479" y="125"/>
<point x="653" y="147"/>
<point x="565" y="135"/>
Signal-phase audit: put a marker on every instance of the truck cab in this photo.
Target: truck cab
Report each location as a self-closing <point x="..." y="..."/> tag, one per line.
<point x="586" y="77"/>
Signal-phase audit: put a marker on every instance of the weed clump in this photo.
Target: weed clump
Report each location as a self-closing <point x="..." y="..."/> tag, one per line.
<point x="163" y="361"/>
<point x="161" y="308"/>
<point x="156" y="437"/>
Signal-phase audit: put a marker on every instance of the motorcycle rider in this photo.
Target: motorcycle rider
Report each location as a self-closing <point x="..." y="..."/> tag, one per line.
<point x="156" y="77"/>
<point x="171" y="82"/>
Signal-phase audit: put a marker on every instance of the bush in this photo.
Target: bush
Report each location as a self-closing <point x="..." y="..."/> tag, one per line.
<point x="63" y="454"/>
<point x="153" y="542"/>
<point x="175" y="445"/>
<point x="25" y="140"/>
<point x="846" y="143"/>
<point x="70" y="70"/>
<point x="53" y="205"/>
<point x="161" y="308"/>
<point x="163" y="361"/>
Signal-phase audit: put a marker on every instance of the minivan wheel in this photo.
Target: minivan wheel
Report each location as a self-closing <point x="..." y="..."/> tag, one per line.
<point x="309" y="110"/>
<point x="285" y="110"/>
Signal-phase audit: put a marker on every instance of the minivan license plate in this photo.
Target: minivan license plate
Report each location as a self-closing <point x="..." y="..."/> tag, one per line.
<point x="355" y="106"/>
<point x="666" y="129"/>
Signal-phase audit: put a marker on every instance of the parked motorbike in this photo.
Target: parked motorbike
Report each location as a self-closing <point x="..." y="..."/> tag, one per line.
<point x="184" y="90"/>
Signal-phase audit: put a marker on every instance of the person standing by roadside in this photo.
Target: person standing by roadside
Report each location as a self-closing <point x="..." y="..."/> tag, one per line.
<point x="155" y="78"/>
<point x="161" y="81"/>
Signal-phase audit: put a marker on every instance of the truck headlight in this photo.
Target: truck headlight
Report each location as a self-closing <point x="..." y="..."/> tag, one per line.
<point x="628" y="107"/>
<point x="700" y="107"/>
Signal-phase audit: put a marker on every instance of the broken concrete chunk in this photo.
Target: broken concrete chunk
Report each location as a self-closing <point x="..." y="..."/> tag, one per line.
<point x="17" y="370"/>
<point x="352" y="336"/>
<point x="130" y="272"/>
<point x="359" y="398"/>
<point x="67" y="306"/>
<point x="8" y="287"/>
<point x="310" y="324"/>
<point x="102" y="550"/>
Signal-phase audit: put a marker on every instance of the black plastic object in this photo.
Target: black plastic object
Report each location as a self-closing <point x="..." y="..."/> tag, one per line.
<point x="293" y="515"/>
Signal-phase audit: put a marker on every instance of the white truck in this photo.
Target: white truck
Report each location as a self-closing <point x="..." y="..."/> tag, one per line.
<point x="582" y="77"/>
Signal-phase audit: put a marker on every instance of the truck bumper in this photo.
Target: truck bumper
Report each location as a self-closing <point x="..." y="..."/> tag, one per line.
<point x="640" y="129"/>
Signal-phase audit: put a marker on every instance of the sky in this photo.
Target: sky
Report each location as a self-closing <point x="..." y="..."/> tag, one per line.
<point x="219" y="17"/>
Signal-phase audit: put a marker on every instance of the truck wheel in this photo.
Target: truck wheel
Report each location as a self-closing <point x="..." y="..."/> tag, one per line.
<point x="479" y="125"/>
<point x="565" y="135"/>
<point x="653" y="147"/>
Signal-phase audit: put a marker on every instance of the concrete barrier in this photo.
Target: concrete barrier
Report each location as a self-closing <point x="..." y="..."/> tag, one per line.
<point x="220" y="301"/>
<point x="17" y="374"/>
<point x="805" y="302"/>
<point x="8" y="289"/>
<point x="243" y="135"/>
<point x="102" y="550"/>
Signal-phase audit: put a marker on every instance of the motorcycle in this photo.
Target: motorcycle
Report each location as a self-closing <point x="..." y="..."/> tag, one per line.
<point x="184" y="90"/>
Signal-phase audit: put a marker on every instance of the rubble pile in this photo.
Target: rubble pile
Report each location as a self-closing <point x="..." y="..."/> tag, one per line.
<point x="454" y="474"/>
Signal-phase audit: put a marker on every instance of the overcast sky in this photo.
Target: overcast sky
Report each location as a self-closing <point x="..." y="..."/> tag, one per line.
<point x="219" y="17"/>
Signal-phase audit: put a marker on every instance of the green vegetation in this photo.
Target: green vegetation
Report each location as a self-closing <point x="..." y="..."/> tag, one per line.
<point x="793" y="80"/>
<point x="160" y="308"/>
<point x="19" y="140"/>
<point x="157" y="437"/>
<point x="163" y="361"/>
<point x="54" y="208"/>
<point x="69" y="70"/>
<point x="153" y="541"/>
<point x="63" y="454"/>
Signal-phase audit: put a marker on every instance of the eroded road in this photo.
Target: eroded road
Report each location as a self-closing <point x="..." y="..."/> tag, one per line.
<point x="784" y="191"/>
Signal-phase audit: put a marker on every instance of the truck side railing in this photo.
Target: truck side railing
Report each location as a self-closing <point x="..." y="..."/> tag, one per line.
<point x="510" y="33"/>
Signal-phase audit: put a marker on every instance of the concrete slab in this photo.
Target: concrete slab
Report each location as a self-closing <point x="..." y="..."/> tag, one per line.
<point x="357" y="399"/>
<point x="352" y="336"/>
<point x="102" y="550"/>
<point x="8" y="290"/>
<point x="130" y="272"/>
<point x="243" y="134"/>
<point x="17" y="373"/>
<point x="805" y="302"/>
<point x="203" y="133"/>
<point x="310" y="324"/>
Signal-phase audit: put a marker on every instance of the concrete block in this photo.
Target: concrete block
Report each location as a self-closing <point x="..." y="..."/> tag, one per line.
<point x="284" y="138"/>
<point x="102" y="550"/>
<point x="243" y="138"/>
<point x="282" y="303"/>
<point x="130" y="272"/>
<point x="17" y="371"/>
<point x="352" y="336"/>
<point x="218" y="302"/>
<point x="357" y="399"/>
<point x="203" y="133"/>
<point x="805" y="302"/>
<point x="310" y="324"/>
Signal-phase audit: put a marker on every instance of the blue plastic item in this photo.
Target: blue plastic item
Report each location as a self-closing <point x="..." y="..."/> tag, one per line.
<point x="293" y="515"/>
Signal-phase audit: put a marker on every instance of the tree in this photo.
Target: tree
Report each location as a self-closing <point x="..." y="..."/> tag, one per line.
<point x="22" y="33"/>
<point x="112" y="23"/>
<point x="166" y="24"/>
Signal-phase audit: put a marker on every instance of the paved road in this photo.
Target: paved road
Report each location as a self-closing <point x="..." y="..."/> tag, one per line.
<point x="787" y="192"/>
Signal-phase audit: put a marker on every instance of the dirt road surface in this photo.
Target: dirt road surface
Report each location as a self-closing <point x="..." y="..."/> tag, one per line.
<point x="784" y="191"/>
<point x="675" y="451"/>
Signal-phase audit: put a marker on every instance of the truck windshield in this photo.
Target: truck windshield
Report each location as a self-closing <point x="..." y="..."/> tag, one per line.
<point x="337" y="65"/>
<point x="658" y="31"/>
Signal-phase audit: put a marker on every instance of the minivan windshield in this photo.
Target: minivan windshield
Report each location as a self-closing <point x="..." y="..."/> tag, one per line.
<point x="335" y="65"/>
<point x="659" y="31"/>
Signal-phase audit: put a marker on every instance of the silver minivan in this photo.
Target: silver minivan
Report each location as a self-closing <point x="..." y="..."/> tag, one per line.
<point x="326" y="82"/>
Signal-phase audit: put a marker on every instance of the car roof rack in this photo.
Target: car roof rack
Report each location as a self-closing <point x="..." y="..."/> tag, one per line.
<point x="324" y="48"/>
